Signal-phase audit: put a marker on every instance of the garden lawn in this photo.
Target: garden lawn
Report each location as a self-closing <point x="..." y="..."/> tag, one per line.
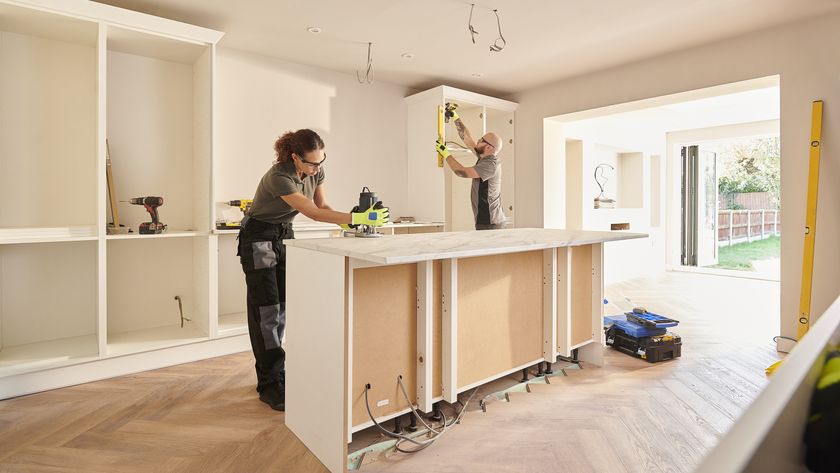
<point x="741" y="255"/>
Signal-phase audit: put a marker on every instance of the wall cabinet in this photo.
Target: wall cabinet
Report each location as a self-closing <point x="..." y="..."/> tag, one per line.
<point x="435" y="194"/>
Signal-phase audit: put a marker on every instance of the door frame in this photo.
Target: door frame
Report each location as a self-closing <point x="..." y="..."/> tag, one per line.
<point x="674" y="143"/>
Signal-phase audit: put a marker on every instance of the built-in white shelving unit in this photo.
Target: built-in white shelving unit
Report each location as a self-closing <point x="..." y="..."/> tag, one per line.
<point x="77" y="304"/>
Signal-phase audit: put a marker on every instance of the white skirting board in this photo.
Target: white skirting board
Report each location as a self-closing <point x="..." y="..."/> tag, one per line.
<point x="13" y="386"/>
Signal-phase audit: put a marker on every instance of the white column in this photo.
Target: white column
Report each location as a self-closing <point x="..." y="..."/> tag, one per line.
<point x="449" y="356"/>
<point x="425" y="331"/>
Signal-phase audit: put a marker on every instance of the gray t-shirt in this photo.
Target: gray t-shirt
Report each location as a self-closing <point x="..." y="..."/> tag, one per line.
<point x="281" y="179"/>
<point x="486" y="193"/>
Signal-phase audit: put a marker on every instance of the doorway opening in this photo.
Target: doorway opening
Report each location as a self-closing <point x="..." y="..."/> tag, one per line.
<point x="730" y="205"/>
<point x="623" y="167"/>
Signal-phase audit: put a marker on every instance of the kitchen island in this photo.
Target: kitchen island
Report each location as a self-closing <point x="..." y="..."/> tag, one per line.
<point x="443" y="312"/>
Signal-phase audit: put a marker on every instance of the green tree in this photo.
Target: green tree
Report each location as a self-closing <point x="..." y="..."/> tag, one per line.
<point x="754" y="168"/>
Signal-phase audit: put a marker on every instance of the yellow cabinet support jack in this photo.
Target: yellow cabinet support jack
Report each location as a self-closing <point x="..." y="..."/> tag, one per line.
<point x="804" y="320"/>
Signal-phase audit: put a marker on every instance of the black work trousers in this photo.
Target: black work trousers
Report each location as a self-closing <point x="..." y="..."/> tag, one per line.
<point x="263" y="256"/>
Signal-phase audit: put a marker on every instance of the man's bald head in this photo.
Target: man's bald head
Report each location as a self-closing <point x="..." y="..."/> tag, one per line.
<point x="490" y="143"/>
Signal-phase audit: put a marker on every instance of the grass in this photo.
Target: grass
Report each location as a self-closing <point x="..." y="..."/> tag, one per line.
<point x="741" y="255"/>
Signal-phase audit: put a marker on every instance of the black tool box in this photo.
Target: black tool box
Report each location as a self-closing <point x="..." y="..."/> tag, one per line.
<point x="653" y="348"/>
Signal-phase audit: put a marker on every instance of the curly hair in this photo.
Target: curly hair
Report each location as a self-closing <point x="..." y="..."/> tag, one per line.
<point x="298" y="142"/>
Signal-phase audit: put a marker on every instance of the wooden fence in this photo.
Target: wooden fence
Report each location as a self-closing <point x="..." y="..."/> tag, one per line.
<point x="747" y="201"/>
<point x="735" y="226"/>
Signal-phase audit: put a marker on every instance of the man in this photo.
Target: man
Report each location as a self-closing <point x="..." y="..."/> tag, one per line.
<point x="486" y="174"/>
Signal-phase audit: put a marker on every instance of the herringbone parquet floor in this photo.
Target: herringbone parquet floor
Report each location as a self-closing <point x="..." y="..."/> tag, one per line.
<point x="627" y="416"/>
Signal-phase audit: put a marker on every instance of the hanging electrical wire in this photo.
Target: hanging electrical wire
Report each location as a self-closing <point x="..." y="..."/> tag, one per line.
<point x="500" y="42"/>
<point x="367" y="78"/>
<point x="496" y="47"/>
<point x="473" y="32"/>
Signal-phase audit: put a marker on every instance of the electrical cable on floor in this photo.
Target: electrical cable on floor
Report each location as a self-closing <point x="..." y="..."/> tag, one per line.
<point x="400" y="438"/>
<point x="405" y="395"/>
<point x="421" y="444"/>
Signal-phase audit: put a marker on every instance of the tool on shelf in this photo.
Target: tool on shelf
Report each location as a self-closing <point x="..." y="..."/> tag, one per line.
<point x="181" y="311"/>
<point x="114" y="227"/>
<point x="244" y="205"/>
<point x="151" y="205"/>
<point x="367" y="200"/>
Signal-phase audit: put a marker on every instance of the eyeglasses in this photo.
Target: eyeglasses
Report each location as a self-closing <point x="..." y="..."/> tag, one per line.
<point x="481" y="140"/>
<point x="318" y="165"/>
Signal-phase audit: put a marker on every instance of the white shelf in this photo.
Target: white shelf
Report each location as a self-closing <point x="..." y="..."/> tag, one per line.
<point x="47" y="235"/>
<point x="226" y="232"/>
<point x="233" y="324"/>
<point x="125" y="343"/>
<point x="49" y="354"/>
<point x="168" y="234"/>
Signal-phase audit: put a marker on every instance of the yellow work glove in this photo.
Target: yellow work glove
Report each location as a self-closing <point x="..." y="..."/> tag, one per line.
<point x="441" y="149"/>
<point x="376" y="216"/>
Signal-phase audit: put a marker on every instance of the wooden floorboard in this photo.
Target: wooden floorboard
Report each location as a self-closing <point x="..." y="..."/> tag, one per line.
<point x="629" y="416"/>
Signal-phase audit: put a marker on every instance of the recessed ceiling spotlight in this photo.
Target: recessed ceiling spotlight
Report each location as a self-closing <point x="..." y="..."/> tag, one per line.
<point x="314" y="30"/>
<point x="407" y="55"/>
<point x="478" y="74"/>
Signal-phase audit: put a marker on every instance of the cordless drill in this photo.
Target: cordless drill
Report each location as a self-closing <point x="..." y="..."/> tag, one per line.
<point x="151" y="204"/>
<point x="243" y="204"/>
<point x="449" y="111"/>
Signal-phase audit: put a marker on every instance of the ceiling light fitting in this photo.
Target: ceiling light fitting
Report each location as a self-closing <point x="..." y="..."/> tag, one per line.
<point x="407" y="55"/>
<point x="500" y="42"/>
<point x="314" y="30"/>
<point x="473" y="32"/>
<point x="496" y="47"/>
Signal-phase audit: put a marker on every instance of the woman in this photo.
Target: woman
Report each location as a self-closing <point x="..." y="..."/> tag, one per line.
<point x="294" y="184"/>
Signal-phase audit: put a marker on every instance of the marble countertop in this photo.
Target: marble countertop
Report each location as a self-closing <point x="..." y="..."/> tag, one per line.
<point x="395" y="249"/>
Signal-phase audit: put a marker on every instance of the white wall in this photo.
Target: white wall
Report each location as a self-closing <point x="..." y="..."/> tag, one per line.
<point x="796" y="53"/>
<point x="258" y="98"/>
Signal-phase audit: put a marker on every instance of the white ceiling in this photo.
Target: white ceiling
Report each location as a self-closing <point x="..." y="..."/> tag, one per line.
<point x="547" y="39"/>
